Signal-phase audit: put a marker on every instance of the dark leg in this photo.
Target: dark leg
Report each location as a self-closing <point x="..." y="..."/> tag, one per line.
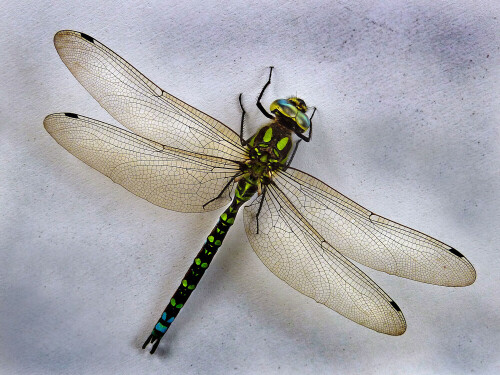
<point x="260" y="207"/>
<point x="313" y="114"/>
<point x="291" y="157"/>
<point x="259" y="105"/>
<point x="223" y="190"/>
<point x="243" y="112"/>
<point x="308" y="138"/>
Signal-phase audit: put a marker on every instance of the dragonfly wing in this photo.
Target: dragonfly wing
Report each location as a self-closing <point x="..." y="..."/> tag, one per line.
<point x="371" y="239"/>
<point x="290" y="247"/>
<point x="167" y="177"/>
<point x="140" y="105"/>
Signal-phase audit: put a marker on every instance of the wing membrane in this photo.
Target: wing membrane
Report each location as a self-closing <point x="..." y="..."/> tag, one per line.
<point x="290" y="247"/>
<point x="371" y="239"/>
<point x="167" y="177"/>
<point x="140" y="105"/>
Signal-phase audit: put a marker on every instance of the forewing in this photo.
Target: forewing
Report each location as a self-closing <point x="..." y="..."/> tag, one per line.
<point x="371" y="239"/>
<point x="167" y="177"/>
<point x="290" y="247"/>
<point x="140" y="105"/>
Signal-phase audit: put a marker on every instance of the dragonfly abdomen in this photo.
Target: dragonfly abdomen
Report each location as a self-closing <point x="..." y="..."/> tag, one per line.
<point x="244" y="191"/>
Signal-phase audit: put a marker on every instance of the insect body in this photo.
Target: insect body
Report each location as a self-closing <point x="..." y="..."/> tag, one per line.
<point x="268" y="150"/>
<point x="177" y="157"/>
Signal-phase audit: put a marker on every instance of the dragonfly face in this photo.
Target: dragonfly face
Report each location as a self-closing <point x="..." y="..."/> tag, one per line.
<point x="291" y="113"/>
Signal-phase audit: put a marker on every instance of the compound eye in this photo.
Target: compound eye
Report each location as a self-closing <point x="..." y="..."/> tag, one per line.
<point x="276" y="105"/>
<point x="290" y="110"/>
<point x="284" y="107"/>
<point x="303" y="121"/>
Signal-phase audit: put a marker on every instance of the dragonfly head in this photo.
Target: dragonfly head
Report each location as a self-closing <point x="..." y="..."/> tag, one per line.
<point x="294" y="109"/>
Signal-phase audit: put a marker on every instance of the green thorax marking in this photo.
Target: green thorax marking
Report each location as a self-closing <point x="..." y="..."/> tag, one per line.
<point x="282" y="143"/>
<point x="268" y="135"/>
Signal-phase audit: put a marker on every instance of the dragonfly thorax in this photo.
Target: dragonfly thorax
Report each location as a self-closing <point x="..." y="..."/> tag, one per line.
<point x="268" y="150"/>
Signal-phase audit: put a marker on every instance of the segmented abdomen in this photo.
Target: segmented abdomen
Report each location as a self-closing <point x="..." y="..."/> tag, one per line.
<point x="243" y="192"/>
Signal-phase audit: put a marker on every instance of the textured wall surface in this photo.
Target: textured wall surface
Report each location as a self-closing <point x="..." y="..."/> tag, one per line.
<point x="408" y="120"/>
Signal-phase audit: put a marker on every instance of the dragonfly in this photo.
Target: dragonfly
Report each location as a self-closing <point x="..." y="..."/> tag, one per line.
<point x="304" y="231"/>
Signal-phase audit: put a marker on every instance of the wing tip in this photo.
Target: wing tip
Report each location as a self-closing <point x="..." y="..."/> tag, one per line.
<point x="61" y="34"/>
<point x="472" y="276"/>
<point x="394" y="325"/>
<point x="399" y="332"/>
<point x="48" y="121"/>
<point x="467" y="273"/>
<point x="71" y="33"/>
<point x="397" y="329"/>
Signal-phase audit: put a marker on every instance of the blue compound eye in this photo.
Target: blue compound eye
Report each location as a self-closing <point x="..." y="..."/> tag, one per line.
<point x="290" y="110"/>
<point x="284" y="107"/>
<point x="303" y="121"/>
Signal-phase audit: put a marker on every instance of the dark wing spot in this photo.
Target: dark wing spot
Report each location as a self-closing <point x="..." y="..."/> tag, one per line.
<point x="455" y="252"/>
<point x="74" y="115"/>
<point x="395" y="305"/>
<point x="87" y="37"/>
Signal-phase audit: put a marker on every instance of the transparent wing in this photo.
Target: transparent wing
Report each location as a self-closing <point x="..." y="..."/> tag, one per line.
<point x="290" y="247"/>
<point x="175" y="179"/>
<point x="141" y="106"/>
<point x="371" y="239"/>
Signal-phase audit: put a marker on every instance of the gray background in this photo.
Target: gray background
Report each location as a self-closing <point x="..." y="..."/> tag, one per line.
<point x="407" y="125"/>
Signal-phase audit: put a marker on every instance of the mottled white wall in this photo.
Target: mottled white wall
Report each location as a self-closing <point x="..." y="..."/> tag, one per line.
<point x="408" y="121"/>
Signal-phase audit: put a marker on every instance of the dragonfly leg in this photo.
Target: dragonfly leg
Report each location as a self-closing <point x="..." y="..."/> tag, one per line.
<point x="291" y="157"/>
<point x="259" y="104"/>
<point x="260" y="206"/>
<point x="223" y="190"/>
<point x="243" y="141"/>
<point x="308" y="138"/>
